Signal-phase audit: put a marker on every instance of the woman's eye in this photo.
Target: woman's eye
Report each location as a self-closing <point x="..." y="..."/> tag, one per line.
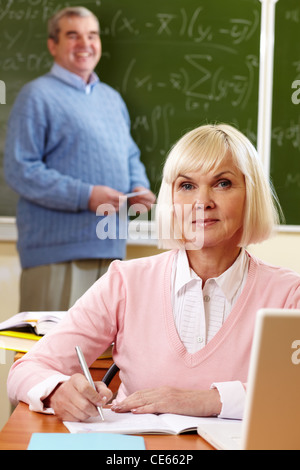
<point x="224" y="184"/>
<point x="187" y="186"/>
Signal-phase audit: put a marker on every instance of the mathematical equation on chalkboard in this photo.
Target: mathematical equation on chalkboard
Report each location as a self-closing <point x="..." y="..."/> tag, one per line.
<point x="183" y="24"/>
<point x="198" y="66"/>
<point x="201" y="83"/>
<point x="30" y="10"/>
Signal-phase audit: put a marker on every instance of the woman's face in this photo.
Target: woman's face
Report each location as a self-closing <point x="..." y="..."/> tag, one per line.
<point x="210" y="207"/>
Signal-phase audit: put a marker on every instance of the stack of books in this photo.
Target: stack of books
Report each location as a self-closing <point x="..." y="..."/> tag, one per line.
<point x="20" y="332"/>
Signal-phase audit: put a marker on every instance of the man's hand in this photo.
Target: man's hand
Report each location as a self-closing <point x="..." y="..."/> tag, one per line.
<point x="111" y="200"/>
<point x="145" y="200"/>
<point x="76" y="400"/>
<point x="103" y="195"/>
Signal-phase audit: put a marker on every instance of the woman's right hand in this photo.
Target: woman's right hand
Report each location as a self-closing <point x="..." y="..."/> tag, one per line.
<point x="76" y="400"/>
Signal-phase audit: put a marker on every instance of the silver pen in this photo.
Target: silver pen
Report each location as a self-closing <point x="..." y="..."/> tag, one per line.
<point x="87" y="375"/>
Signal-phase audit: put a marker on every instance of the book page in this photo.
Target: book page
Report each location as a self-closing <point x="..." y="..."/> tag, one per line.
<point x="15" y="321"/>
<point x="182" y="423"/>
<point x="123" y="423"/>
<point x="129" y="423"/>
<point x="30" y="318"/>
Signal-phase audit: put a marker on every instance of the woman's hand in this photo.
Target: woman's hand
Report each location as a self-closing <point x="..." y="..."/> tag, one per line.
<point x="76" y="400"/>
<point x="172" y="400"/>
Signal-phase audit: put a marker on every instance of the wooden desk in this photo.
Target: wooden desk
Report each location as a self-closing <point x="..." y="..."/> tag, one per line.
<point x="17" y="432"/>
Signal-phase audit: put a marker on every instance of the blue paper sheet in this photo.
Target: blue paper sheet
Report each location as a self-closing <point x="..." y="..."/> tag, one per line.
<point x="88" y="441"/>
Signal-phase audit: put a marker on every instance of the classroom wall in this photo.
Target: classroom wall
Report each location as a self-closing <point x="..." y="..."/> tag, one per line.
<point x="9" y="295"/>
<point x="282" y="249"/>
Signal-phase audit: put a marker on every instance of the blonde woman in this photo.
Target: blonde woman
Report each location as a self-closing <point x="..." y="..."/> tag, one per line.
<point x="182" y="321"/>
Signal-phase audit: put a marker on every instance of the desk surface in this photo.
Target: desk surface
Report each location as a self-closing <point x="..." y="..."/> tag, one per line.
<point x="17" y="432"/>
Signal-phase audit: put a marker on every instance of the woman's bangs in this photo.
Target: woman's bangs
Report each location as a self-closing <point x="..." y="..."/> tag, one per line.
<point x="199" y="157"/>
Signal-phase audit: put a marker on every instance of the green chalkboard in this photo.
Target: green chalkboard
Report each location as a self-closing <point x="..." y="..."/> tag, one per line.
<point x="285" y="145"/>
<point x="177" y="65"/>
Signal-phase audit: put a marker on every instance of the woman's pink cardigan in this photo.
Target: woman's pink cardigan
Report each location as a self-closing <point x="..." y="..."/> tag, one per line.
<point x="131" y="307"/>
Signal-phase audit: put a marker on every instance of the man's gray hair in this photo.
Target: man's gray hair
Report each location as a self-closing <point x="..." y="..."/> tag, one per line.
<point x="53" y="23"/>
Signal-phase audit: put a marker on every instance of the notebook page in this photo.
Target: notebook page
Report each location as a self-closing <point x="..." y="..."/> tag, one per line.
<point x="129" y="423"/>
<point x="123" y="423"/>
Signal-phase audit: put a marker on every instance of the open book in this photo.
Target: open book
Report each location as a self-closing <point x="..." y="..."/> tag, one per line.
<point x="38" y="323"/>
<point x="129" y="423"/>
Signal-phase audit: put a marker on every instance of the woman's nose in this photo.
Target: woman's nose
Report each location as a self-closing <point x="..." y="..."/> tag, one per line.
<point x="204" y="200"/>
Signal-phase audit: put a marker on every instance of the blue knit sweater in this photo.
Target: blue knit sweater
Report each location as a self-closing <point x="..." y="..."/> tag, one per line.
<point x="61" y="141"/>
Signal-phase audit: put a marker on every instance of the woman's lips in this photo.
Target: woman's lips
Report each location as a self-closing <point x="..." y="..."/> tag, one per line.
<point x="205" y="222"/>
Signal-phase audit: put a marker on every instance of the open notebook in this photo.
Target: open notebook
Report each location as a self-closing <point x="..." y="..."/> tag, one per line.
<point x="129" y="423"/>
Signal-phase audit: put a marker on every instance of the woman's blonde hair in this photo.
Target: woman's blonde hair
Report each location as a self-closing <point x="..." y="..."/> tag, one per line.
<point x="203" y="149"/>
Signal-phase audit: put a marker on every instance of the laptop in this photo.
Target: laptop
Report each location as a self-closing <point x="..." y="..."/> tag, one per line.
<point x="272" y="411"/>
